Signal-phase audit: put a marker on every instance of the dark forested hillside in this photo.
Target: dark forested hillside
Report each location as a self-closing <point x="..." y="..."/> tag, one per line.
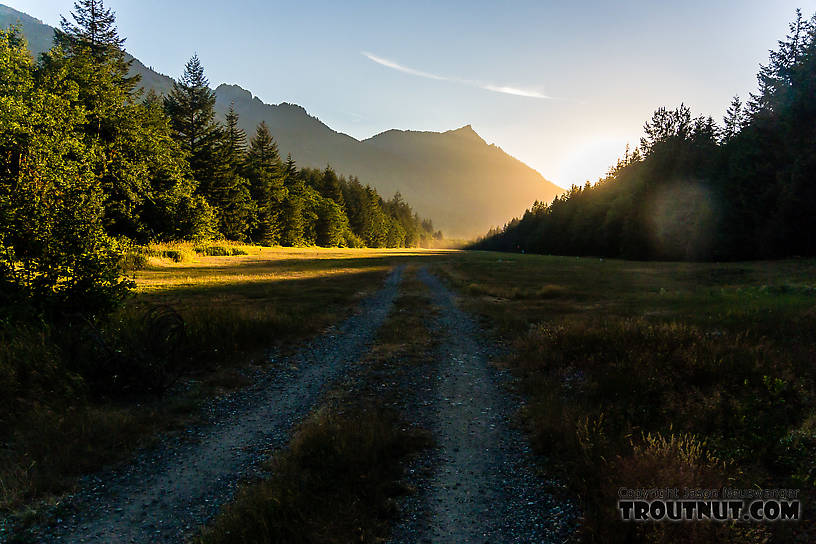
<point x="695" y="190"/>
<point x="430" y="169"/>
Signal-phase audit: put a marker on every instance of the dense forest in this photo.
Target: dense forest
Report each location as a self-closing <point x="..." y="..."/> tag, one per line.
<point x="695" y="190"/>
<point x="91" y="165"/>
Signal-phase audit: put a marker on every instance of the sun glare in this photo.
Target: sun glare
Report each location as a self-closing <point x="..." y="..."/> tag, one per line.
<point x="590" y="161"/>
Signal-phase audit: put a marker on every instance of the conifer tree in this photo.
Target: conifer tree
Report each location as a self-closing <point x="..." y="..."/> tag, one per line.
<point x="134" y="152"/>
<point x="190" y="105"/>
<point x="230" y="190"/>
<point x="92" y="32"/>
<point x="292" y="215"/>
<point x="263" y="169"/>
<point x="330" y="186"/>
<point x="733" y="120"/>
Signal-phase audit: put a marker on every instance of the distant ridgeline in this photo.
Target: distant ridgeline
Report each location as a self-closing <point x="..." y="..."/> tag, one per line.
<point x="456" y="178"/>
<point x="698" y="191"/>
<point x="89" y="164"/>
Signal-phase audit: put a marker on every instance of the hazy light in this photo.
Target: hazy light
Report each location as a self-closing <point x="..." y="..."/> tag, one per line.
<point x="504" y="89"/>
<point x="590" y="161"/>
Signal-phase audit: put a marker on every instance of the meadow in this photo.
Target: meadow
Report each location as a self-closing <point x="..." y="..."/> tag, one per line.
<point x="636" y="374"/>
<point x="80" y="395"/>
<point x="646" y="375"/>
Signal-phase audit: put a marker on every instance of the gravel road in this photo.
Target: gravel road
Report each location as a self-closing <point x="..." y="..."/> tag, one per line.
<point x="478" y="484"/>
<point x="166" y="493"/>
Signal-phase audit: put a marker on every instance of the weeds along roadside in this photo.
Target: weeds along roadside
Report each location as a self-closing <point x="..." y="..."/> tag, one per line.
<point x="339" y="477"/>
<point x="649" y="375"/>
<point x="82" y="394"/>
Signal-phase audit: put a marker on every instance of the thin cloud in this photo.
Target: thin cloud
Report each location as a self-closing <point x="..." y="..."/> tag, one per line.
<point x="515" y="91"/>
<point x="400" y="68"/>
<point x="504" y="89"/>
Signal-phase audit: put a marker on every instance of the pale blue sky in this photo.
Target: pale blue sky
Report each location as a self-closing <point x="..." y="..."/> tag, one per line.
<point x="605" y="65"/>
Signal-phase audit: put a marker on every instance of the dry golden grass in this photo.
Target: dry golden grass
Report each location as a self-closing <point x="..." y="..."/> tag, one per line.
<point x="57" y="421"/>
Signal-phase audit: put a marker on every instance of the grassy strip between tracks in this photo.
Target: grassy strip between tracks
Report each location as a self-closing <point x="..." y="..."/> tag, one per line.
<point x="338" y="479"/>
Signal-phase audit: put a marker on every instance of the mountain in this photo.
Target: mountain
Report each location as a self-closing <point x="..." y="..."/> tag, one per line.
<point x="455" y="178"/>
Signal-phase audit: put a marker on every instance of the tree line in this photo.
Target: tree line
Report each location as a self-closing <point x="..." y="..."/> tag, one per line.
<point x="696" y="190"/>
<point x="90" y="164"/>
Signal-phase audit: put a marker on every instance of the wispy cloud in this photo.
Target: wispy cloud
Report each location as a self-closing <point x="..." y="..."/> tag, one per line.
<point x="515" y="91"/>
<point x="504" y="89"/>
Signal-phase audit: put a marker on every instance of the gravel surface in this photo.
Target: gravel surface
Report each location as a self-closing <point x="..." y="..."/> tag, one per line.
<point x="168" y="492"/>
<point x="478" y="485"/>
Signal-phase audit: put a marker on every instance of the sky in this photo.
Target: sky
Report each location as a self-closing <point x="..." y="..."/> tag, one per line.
<point x="562" y="86"/>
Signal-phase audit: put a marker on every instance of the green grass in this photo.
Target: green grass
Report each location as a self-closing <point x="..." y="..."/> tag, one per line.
<point x="658" y="375"/>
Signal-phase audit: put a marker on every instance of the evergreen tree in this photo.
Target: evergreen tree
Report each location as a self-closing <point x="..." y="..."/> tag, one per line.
<point x="92" y="32"/>
<point x="93" y="25"/>
<point x="330" y="186"/>
<point x="733" y="120"/>
<point x="292" y="221"/>
<point x="190" y="105"/>
<point x="230" y="193"/>
<point x="263" y="169"/>
<point x="135" y="154"/>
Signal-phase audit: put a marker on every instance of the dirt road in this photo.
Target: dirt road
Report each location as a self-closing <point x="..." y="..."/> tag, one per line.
<point x="481" y="487"/>
<point x="171" y="490"/>
<point x="476" y="485"/>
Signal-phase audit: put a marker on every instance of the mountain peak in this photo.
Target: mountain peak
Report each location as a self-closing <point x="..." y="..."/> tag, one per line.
<point x="233" y="91"/>
<point x="466" y="132"/>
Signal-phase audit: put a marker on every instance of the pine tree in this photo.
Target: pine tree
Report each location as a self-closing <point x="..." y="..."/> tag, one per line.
<point x="263" y="169"/>
<point x="94" y="25"/>
<point x="191" y="108"/>
<point x="330" y="186"/>
<point x="92" y="32"/>
<point x="733" y="120"/>
<point x="292" y="215"/>
<point x="127" y="143"/>
<point x="230" y="193"/>
<point x="235" y="139"/>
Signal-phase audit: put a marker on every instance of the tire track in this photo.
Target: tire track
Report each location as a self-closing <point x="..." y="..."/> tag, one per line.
<point x="171" y="490"/>
<point x="481" y="487"/>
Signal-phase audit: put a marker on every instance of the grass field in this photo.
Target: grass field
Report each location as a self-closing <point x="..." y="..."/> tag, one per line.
<point x="646" y="375"/>
<point x="77" y="397"/>
<point x="637" y="374"/>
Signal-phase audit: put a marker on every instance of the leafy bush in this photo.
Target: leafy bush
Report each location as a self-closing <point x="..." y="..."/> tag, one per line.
<point x="55" y="256"/>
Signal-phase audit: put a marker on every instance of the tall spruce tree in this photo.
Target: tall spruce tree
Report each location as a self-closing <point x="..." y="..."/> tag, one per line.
<point x="293" y="224"/>
<point x="190" y="105"/>
<point x="230" y="190"/>
<point x="263" y="170"/>
<point x="733" y="120"/>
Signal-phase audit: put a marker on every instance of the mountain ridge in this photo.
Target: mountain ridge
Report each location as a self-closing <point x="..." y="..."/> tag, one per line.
<point x="456" y="178"/>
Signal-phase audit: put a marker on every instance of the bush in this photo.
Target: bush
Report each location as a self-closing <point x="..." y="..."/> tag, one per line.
<point x="220" y="251"/>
